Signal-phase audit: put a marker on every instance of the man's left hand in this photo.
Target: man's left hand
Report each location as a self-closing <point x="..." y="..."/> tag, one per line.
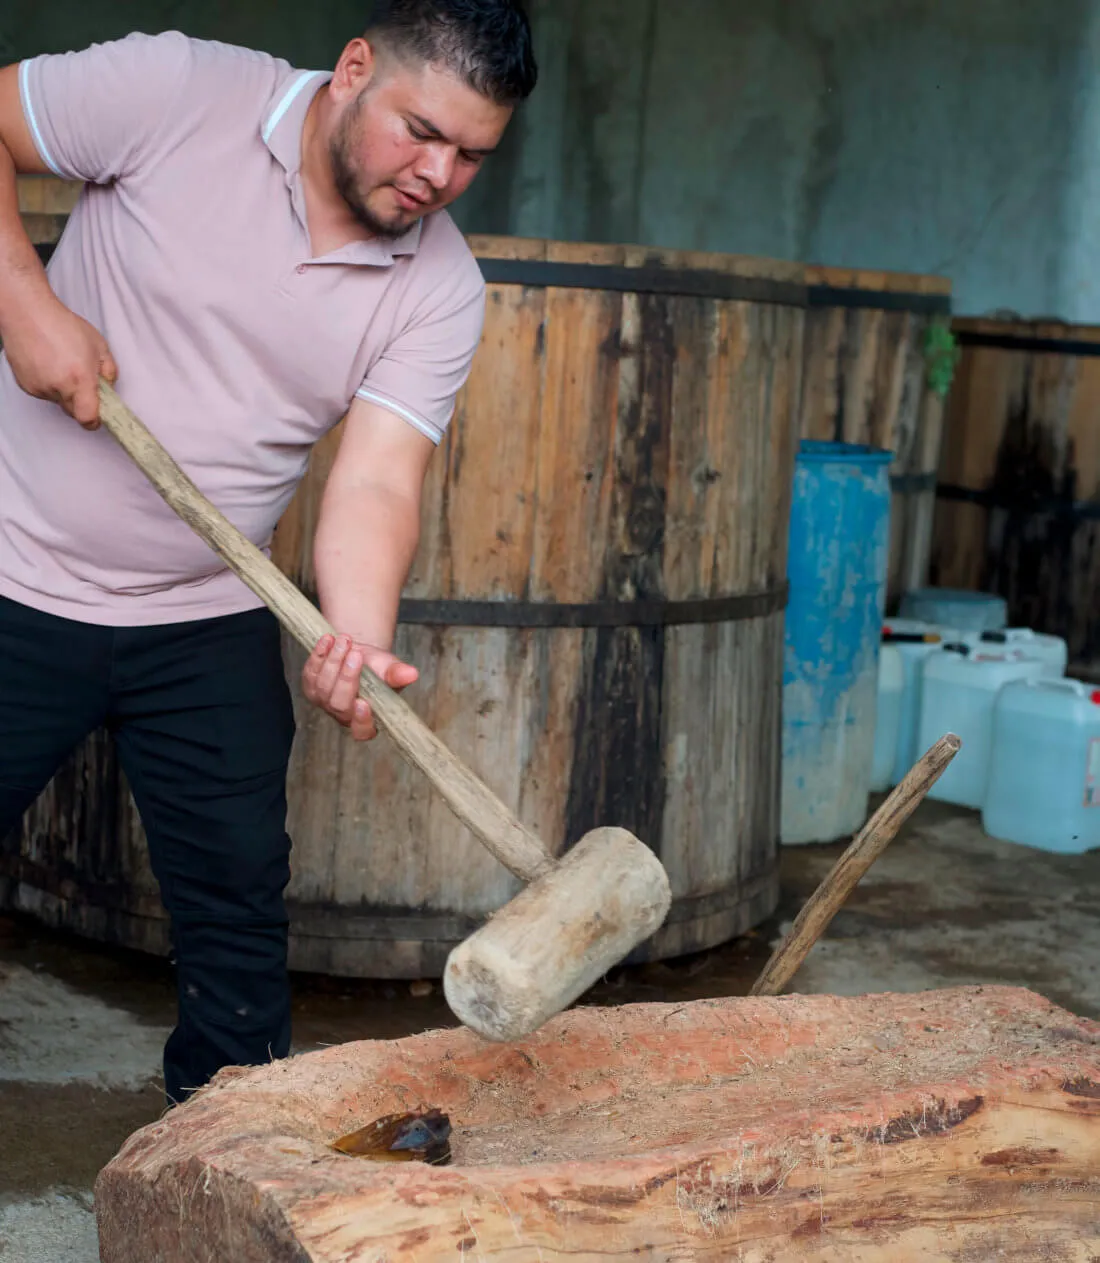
<point x="330" y="680"/>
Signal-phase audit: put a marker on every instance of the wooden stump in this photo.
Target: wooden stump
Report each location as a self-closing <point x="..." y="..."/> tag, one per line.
<point x="960" y="1124"/>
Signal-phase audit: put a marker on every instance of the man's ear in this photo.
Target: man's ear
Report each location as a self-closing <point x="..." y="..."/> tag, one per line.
<point x="357" y="66"/>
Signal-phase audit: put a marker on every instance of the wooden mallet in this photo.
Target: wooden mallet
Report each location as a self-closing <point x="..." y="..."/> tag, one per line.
<point x="576" y="918"/>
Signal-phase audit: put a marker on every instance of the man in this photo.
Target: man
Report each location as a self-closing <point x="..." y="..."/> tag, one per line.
<point x="258" y="251"/>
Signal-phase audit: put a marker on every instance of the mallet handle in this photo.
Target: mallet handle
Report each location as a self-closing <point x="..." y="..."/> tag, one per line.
<point x="869" y="844"/>
<point x="517" y="848"/>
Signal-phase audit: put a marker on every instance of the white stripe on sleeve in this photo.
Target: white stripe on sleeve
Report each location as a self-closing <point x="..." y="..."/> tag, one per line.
<point x="425" y="427"/>
<point x="32" y="121"/>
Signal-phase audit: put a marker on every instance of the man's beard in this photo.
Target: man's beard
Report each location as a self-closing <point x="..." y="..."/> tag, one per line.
<point x="347" y="184"/>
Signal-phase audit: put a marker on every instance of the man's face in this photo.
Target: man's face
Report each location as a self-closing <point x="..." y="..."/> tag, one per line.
<point x="409" y="143"/>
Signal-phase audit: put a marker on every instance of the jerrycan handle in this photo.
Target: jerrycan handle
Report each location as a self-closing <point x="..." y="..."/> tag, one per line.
<point x="1011" y="636"/>
<point x="1066" y="685"/>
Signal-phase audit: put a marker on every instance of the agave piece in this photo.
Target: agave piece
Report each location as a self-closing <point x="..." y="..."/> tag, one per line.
<point x="414" y="1137"/>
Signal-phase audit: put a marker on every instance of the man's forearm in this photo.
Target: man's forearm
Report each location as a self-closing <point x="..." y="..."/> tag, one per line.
<point x="365" y="542"/>
<point x="22" y="276"/>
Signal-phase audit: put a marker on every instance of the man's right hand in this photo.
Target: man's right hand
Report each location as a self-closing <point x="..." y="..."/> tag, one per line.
<point x="56" y="355"/>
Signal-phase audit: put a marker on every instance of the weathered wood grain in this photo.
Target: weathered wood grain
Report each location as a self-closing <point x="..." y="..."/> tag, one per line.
<point x="577" y="426"/>
<point x="608" y="447"/>
<point x="1023" y="429"/>
<point x="865" y="381"/>
<point x="46" y="194"/>
<point x="44" y="204"/>
<point x="960" y="1124"/>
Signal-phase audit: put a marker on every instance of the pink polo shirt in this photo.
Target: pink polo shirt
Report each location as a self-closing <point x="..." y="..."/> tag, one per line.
<point x="189" y="251"/>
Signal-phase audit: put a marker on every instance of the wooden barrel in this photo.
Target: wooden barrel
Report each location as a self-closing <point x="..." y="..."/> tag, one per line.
<point x="866" y="380"/>
<point x="596" y="606"/>
<point x="1018" y="506"/>
<point x="596" y="610"/>
<point x="44" y="205"/>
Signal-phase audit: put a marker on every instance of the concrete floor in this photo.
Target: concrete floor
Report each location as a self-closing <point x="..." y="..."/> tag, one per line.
<point x="81" y="1027"/>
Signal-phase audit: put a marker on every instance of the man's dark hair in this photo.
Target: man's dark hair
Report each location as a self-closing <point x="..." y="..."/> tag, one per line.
<point x="484" y="43"/>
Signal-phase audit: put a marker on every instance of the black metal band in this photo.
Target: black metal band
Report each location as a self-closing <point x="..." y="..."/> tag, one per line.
<point x="1023" y="342"/>
<point x="701" y="283"/>
<point x="678" y="282"/>
<point x="1084" y="510"/>
<point x="689" y="283"/>
<point x="880" y="300"/>
<point x="903" y="483"/>
<point x="532" y="614"/>
<point x="427" y="926"/>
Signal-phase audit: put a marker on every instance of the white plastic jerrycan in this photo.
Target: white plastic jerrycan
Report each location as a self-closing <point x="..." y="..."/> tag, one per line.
<point x="891" y="688"/>
<point x="1044" y="773"/>
<point x="1052" y="651"/>
<point x="914" y="641"/>
<point x="959" y="687"/>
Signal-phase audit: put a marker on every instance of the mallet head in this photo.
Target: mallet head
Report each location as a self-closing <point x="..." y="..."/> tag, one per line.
<point x="559" y="935"/>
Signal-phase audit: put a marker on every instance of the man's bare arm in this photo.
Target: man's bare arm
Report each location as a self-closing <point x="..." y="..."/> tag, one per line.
<point x="22" y="275"/>
<point x="366" y="539"/>
<point x="53" y="353"/>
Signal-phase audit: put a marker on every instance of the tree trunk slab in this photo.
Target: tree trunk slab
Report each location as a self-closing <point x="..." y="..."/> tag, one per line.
<point x="956" y="1124"/>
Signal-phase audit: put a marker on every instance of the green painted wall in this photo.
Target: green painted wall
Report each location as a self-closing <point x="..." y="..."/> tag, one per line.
<point x="307" y="34"/>
<point x="957" y="136"/>
<point x="950" y="136"/>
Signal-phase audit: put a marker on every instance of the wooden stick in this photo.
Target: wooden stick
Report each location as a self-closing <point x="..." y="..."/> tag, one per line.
<point x="517" y="848"/>
<point x="875" y="836"/>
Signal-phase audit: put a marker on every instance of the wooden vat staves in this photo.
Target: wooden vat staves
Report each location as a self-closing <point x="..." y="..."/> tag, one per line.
<point x="1018" y="509"/>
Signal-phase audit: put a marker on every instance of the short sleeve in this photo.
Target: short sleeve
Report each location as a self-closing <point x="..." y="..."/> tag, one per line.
<point x="94" y="114"/>
<point x="426" y="364"/>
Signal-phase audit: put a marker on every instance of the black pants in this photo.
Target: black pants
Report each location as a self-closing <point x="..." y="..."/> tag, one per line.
<point x="203" y="722"/>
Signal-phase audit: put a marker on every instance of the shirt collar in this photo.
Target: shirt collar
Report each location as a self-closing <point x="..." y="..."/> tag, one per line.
<point x="281" y="130"/>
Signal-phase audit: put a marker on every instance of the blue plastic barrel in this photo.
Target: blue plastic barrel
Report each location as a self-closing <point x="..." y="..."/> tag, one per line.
<point x="837" y="569"/>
